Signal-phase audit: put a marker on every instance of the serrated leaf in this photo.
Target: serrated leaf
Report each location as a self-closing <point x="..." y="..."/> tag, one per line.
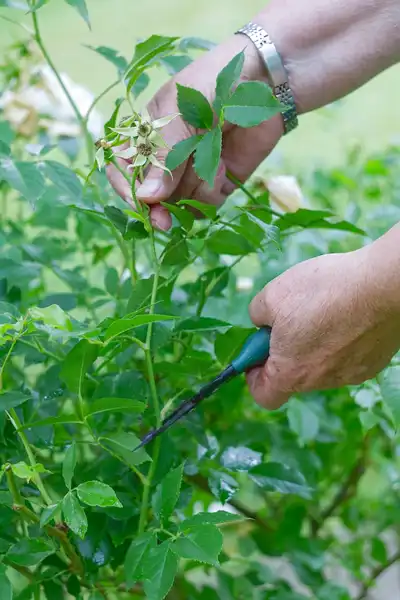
<point x="208" y="155"/>
<point x="103" y="405"/>
<point x="123" y="325"/>
<point x="185" y="218"/>
<point x="208" y="210"/>
<point x="6" y="591"/>
<point x="315" y="219"/>
<point x="209" y="518"/>
<point x="24" y="177"/>
<point x="136" y="555"/>
<point x="167" y="494"/>
<point x="226" y="80"/>
<point x="251" y="103"/>
<point x="145" y="53"/>
<point x="69" y="464"/>
<point x="302" y="420"/>
<point x="229" y="242"/>
<point x="175" y="63"/>
<point x="12" y="399"/>
<point x="77" y="363"/>
<point x="64" y="179"/>
<point x="49" y="513"/>
<point x="53" y="316"/>
<point x="112" y="56"/>
<point x="202" y="543"/>
<point x="124" y="445"/>
<point x="74" y="515"/>
<point x="181" y="151"/>
<point x="96" y="493"/>
<point x="29" y="552"/>
<point x="159" y="570"/>
<point x="276" y="477"/>
<point x="222" y="485"/>
<point x="200" y="324"/>
<point x="194" y="107"/>
<point x="81" y="7"/>
<point x="240" y="458"/>
<point x="389" y="383"/>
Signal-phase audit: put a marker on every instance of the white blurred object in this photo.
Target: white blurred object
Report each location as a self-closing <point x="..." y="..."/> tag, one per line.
<point x="41" y="103"/>
<point x="244" y="283"/>
<point x="285" y="192"/>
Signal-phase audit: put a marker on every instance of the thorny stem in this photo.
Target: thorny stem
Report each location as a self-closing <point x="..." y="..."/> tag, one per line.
<point x="81" y="120"/>
<point x="244" y="189"/>
<point x="375" y="574"/>
<point x="98" y="98"/>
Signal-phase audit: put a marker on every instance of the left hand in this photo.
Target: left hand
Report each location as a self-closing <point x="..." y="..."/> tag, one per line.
<point x="331" y="326"/>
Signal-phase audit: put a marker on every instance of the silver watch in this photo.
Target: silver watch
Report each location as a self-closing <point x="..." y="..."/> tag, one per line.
<point x="277" y="73"/>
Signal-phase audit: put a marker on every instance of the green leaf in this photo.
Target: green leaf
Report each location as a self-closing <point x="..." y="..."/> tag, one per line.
<point x="202" y="543"/>
<point x="208" y="210"/>
<point x="200" y="324"/>
<point x="302" y="420"/>
<point x="251" y="103"/>
<point x="209" y="518"/>
<point x="145" y="53"/>
<point x="74" y="515"/>
<point x="81" y="7"/>
<point x="96" y="493"/>
<point x="228" y="344"/>
<point x="315" y="219"/>
<point x="53" y="316"/>
<point x="181" y="151"/>
<point x="175" y="64"/>
<point x="185" y="218"/>
<point x="111" y="281"/>
<point x="229" y="242"/>
<point x="76" y="364"/>
<point x="167" y="494"/>
<point x="23" y="177"/>
<point x="159" y="570"/>
<point x="240" y="458"/>
<point x="12" y="399"/>
<point x="276" y="477"/>
<point x="6" y="591"/>
<point x="69" y="464"/>
<point x="123" y="325"/>
<point x="64" y="179"/>
<point x="141" y="294"/>
<point x="49" y="513"/>
<point x="226" y="79"/>
<point x="62" y="420"/>
<point x="389" y="383"/>
<point x="136" y="555"/>
<point x="208" y="156"/>
<point x="194" y="107"/>
<point x="29" y="552"/>
<point x="6" y="498"/>
<point x="124" y="445"/>
<point x="103" y="405"/>
<point x="222" y="485"/>
<point x="112" y="56"/>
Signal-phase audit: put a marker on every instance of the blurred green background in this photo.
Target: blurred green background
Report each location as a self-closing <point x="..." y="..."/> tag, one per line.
<point x="369" y="117"/>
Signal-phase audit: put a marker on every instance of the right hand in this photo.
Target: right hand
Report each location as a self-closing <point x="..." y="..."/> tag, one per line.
<point x="243" y="149"/>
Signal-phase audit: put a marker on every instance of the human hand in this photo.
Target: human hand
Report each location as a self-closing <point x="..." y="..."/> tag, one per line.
<point x="243" y="149"/>
<point x="332" y="324"/>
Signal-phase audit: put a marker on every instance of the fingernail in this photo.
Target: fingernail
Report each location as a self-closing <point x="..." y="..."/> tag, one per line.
<point x="149" y="188"/>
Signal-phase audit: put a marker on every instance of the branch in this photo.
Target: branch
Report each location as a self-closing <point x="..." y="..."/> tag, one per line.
<point x="376" y="573"/>
<point x="202" y="483"/>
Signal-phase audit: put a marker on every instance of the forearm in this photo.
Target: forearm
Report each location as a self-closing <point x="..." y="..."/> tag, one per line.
<point x="332" y="47"/>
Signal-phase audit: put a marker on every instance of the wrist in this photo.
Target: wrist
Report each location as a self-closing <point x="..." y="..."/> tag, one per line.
<point x="332" y="47"/>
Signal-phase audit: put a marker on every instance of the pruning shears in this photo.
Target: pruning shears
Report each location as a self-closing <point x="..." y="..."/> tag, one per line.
<point x="254" y="353"/>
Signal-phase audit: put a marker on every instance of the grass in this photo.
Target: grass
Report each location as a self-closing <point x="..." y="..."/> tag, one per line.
<point x="367" y="117"/>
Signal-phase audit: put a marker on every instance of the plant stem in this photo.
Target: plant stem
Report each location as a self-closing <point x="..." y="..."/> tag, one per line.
<point x="375" y="574"/>
<point x="5" y="361"/>
<point x="98" y="98"/>
<point x="81" y="120"/>
<point x="244" y="189"/>
<point x="12" y="415"/>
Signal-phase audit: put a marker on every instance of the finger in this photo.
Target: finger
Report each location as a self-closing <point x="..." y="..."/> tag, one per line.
<point x="245" y="149"/>
<point x="263" y="389"/>
<point x="118" y="181"/>
<point x="262" y="309"/>
<point x="160" y="217"/>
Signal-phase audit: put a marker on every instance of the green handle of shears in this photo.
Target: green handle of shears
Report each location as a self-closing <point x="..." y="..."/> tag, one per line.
<point x="254" y="352"/>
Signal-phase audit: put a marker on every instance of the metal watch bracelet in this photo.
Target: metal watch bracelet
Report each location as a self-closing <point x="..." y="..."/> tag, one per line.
<point x="277" y="73"/>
